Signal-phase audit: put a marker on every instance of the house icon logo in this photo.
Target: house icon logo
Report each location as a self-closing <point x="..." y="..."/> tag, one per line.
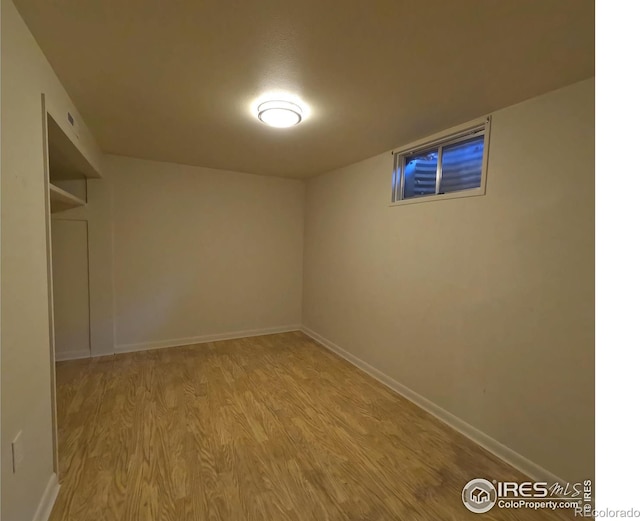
<point x="479" y="495"/>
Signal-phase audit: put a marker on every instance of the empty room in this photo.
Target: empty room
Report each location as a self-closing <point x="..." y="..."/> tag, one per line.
<point x="298" y="260"/>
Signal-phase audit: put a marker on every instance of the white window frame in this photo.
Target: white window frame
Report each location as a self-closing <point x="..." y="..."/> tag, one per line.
<point x="399" y="160"/>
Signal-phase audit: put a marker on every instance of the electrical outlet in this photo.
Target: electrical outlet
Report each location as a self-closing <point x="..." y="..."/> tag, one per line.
<point x="17" y="451"/>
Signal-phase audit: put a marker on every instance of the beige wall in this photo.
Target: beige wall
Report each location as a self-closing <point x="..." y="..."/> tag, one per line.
<point x="200" y="252"/>
<point x="26" y="391"/>
<point x="483" y="305"/>
<point x="70" y="275"/>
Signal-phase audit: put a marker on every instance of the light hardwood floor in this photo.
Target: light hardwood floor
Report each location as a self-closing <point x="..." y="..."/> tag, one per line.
<point x="266" y="428"/>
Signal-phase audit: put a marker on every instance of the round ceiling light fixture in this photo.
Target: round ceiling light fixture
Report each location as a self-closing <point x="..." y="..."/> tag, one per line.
<point x="279" y="113"/>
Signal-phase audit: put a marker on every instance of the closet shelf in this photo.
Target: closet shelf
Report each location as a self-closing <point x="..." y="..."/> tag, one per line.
<point x="62" y="200"/>
<point x="66" y="161"/>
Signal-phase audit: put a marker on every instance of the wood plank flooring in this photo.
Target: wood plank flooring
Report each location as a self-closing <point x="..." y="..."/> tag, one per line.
<point x="265" y="428"/>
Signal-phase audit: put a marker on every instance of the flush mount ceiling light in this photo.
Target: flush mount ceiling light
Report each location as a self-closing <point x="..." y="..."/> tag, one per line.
<point x="279" y="113"/>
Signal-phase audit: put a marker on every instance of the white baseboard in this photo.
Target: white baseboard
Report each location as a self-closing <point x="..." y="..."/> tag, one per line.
<point x="48" y="499"/>
<point x="71" y="355"/>
<point x="516" y="460"/>
<point x="178" y="342"/>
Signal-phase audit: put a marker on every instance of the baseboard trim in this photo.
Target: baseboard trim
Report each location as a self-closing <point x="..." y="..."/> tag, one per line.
<point x="179" y="342"/>
<point x="48" y="499"/>
<point x="509" y="456"/>
<point x="73" y="355"/>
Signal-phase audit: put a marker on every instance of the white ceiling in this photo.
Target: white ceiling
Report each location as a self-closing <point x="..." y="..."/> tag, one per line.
<point x="174" y="80"/>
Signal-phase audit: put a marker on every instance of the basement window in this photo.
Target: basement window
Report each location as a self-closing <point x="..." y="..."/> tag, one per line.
<point x="452" y="166"/>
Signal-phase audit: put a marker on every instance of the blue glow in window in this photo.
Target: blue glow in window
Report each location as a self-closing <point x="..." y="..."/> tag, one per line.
<point x="420" y="174"/>
<point x="462" y="165"/>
